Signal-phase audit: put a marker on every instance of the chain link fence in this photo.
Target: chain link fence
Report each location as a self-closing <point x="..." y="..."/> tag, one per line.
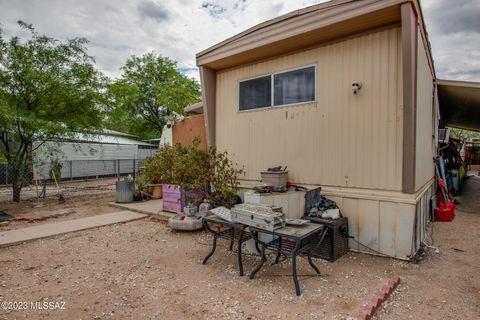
<point x="66" y="178"/>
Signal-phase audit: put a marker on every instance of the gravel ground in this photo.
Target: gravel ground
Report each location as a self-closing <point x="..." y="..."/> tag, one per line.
<point x="141" y="269"/>
<point x="446" y="285"/>
<point x="85" y="206"/>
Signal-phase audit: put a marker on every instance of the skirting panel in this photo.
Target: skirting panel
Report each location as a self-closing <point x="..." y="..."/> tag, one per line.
<point x="391" y="228"/>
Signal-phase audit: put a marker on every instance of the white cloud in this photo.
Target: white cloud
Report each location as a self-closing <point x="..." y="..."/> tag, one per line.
<point x="454" y="30"/>
<point x="180" y="28"/>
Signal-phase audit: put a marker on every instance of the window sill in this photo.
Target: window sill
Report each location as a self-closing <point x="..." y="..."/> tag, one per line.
<point x="283" y="106"/>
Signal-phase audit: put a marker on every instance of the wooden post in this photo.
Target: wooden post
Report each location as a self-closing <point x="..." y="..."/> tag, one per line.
<point x="409" y="47"/>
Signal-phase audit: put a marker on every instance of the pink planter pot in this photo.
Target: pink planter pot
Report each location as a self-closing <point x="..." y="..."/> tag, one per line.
<point x="174" y="198"/>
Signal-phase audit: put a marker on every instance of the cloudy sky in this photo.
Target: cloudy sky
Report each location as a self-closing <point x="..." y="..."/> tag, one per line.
<point x="180" y="28"/>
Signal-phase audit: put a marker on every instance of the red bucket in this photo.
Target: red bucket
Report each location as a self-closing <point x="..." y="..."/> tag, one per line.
<point x="445" y="213"/>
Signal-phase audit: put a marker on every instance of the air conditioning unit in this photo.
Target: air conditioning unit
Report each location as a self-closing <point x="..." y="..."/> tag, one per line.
<point x="443" y="135"/>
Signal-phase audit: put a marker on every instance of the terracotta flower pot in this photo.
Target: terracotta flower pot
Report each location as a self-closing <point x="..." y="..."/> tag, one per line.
<point x="156" y="191"/>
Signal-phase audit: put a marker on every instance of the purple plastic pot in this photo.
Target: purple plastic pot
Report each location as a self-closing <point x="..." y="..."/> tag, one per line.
<point x="175" y="199"/>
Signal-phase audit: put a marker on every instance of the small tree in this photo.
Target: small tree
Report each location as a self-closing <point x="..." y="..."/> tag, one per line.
<point x="150" y="88"/>
<point x="48" y="90"/>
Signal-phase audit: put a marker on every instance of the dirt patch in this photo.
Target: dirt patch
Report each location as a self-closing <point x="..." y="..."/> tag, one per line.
<point x="84" y="206"/>
<point x="142" y="269"/>
<point x="470" y="194"/>
<point x="67" y="188"/>
<point x="446" y="285"/>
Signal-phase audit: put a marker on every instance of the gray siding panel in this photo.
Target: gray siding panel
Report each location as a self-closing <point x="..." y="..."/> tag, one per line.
<point x="92" y="151"/>
<point x="91" y="160"/>
<point x="145" y="153"/>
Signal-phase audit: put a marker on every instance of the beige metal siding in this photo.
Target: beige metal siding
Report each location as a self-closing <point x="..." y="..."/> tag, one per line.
<point x="425" y="143"/>
<point x="394" y="227"/>
<point x="341" y="139"/>
<point x="388" y="223"/>
<point x="378" y="226"/>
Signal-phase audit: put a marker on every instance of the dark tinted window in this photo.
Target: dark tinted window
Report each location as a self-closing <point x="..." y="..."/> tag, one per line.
<point x="256" y="93"/>
<point x="294" y="86"/>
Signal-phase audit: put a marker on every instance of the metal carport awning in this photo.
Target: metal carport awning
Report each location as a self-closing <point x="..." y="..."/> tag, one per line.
<point x="459" y="104"/>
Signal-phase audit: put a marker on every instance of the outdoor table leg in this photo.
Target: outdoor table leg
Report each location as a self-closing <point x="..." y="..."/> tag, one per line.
<point x="294" y="269"/>
<point x="239" y="253"/>
<point x="303" y="243"/>
<point x="257" y="248"/>
<point x="310" y="261"/>
<point x="232" y="236"/>
<point x="213" y="249"/>
<point x="262" y="255"/>
<point x="279" y="250"/>
<point x="214" y="245"/>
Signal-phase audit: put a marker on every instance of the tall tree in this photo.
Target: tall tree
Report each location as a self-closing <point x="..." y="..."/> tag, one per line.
<point x="49" y="90"/>
<point x="151" y="88"/>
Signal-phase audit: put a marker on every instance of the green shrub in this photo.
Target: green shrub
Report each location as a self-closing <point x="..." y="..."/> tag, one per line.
<point x="187" y="167"/>
<point x="223" y="179"/>
<point x="159" y="168"/>
<point x="56" y="169"/>
<point x="192" y="168"/>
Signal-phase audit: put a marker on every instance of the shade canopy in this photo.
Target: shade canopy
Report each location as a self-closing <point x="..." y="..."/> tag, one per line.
<point x="459" y="104"/>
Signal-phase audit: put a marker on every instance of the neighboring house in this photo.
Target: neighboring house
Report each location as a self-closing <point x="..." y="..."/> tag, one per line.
<point x="343" y="94"/>
<point x="96" y="155"/>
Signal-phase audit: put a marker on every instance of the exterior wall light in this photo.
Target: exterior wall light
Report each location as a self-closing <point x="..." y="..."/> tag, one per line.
<point x="356" y="87"/>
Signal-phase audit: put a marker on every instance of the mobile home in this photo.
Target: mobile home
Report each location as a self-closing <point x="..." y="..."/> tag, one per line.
<point x="343" y="94"/>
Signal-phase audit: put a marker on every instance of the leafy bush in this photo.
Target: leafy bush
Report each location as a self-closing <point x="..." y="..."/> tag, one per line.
<point x="56" y="169"/>
<point x="159" y="168"/>
<point x="141" y="182"/>
<point x="191" y="168"/>
<point x="187" y="167"/>
<point x="223" y="179"/>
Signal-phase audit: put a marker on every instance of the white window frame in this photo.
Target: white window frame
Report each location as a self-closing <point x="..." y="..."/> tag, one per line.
<point x="272" y="84"/>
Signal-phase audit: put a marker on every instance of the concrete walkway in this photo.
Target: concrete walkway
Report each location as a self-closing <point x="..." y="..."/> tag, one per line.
<point x="51" y="229"/>
<point x="153" y="208"/>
